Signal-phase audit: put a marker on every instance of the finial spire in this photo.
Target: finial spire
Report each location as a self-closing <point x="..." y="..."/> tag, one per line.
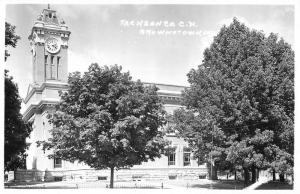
<point x="48" y="6"/>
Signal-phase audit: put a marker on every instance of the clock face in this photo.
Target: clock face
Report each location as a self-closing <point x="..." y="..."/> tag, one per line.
<point x="52" y="45"/>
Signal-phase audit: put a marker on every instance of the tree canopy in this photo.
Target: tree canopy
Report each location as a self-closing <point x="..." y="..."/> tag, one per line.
<point x="106" y="120"/>
<point x="240" y="104"/>
<point x="16" y="130"/>
<point x="11" y="38"/>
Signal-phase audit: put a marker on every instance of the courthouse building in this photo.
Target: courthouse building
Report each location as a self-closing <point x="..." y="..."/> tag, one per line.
<point x="49" y="48"/>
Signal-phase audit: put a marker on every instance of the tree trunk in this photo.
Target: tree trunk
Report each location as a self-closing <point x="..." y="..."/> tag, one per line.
<point x="281" y="177"/>
<point x="235" y="175"/>
<point x="212" y="172"/>
<point x="253" y="174"/>
<point x="246" y="176"/>
<point x="274" y="175"/>
<point x="257" y="174"/>
<point x="111" y="178"/>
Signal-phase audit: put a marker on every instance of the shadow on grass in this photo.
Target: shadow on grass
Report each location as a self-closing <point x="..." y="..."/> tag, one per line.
<point x="53" y="187"/>
<point x="34" y="185"/>
<point x="275" y="185"/>
<point x="21" y="183"/>
<point x="138" y="188"/>
<point x="221" y="184"/>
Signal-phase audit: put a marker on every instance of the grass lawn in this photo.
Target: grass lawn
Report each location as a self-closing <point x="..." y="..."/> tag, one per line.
<point x="79" y="185"/>
<point x="275" y="185"/>
<point x="169" y="184"/>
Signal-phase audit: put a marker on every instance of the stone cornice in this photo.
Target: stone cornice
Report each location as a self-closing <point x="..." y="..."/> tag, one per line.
<point x="39" y="89"/>
<point x="33" y="108"/>
<point x="160" y="84"/>
<point x="46" y="29"/>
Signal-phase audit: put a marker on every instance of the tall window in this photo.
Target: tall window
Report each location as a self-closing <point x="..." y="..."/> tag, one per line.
<point x="57" y="163"/>
<point x="52" y="68"/>
<point x="172" y="157"/>
<point x="46" y="56"/>
<point x="186" y="157"/>
<point x="52" y="58"/>
<point x="58" y="60"/>
<point x="46" y="66"/>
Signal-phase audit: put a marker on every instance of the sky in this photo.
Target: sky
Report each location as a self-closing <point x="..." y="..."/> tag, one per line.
<point x="120" y="34"/>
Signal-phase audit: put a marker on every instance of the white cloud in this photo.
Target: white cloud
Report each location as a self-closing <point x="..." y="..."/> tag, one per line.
<point x="80" y="61"/>
<point x="228" y="21"/>
<point x="252" y="25"/>
<point x="97" y="12"/>
<point x="107" y="11"/>
<point x="140" y="8"/>
<point x="77" y="61"/>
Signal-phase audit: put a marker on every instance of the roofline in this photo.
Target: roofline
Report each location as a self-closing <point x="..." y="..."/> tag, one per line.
<point x="40" y="89"/>
<point x="165" y="84"/>
<point x="35" y="107"/>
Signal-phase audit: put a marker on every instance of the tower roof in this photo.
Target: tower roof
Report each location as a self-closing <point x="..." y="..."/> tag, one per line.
<point x="49" y="20"/>
<point x="49" y="16"/>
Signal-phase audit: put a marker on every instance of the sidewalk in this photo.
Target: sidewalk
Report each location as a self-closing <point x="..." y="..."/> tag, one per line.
<point x="261" y="181"/>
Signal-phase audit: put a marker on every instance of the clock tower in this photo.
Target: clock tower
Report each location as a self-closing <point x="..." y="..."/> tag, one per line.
<point x="49" y="50"/>
<point x="49" y="46"/>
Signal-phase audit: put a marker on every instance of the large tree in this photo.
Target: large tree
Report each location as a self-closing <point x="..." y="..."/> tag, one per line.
<point x="243" y="95"/>
<point x="16" y="130"/>
<point x="106" y="120"/>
